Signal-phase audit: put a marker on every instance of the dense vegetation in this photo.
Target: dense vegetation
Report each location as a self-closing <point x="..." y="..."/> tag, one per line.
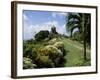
<point x="46" y="51"/>
<point x="51" y="49"/>
<point x="81" y="21"/>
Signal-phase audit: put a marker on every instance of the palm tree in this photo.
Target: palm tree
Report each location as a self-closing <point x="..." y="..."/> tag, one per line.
<point x="84" y="34"/>
<point x="74" y="21"/>
<point x="81" y="21"/>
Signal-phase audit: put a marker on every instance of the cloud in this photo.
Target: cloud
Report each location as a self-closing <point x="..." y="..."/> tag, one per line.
<point x="54" y="14"/>
<point x="31" y="30"/>
<point x="25" y="17"/>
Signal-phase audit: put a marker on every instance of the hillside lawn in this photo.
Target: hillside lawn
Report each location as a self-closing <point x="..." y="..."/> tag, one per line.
<point x="75" y="56"/>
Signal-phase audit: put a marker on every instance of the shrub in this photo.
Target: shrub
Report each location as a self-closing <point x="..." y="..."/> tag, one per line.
<point x="27" y="63"/>
<point x="53" y="30"/>
<point x="27" y="51"/>
<point x="41" y="35"/>
<point x="44" y="62"/>
<point x="60" y="46"/>
<point x="49" y="56"/>
<point x="53" y="35"/>
<point x="51" y="51"/>
<point x="46" y="53"/>
<point x="52" y="41"/>
<point x="33" y="54"/>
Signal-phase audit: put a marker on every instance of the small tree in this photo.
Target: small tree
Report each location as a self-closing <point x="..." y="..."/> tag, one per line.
<point x="41" y="35"/>
<point x="53" y="33"/>
<point x="53" y="30"/>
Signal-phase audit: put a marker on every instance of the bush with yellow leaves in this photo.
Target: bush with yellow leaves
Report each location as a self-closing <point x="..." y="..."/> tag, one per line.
<point x="50" y="55"/>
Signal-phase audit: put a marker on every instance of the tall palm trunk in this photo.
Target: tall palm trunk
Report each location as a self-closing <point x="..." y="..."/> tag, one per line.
<point x="84" y="34"/>
<point x="71" y="33"/>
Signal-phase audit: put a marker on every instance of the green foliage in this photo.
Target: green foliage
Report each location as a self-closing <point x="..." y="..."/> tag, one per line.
<point x="75" y="54"/>
<point x="82" y="62"/>
<point x="50" y="51"/>
<point x="44" y="61"/>
<point x="27" y="50"/>
<point x="45" y="54"/>
<point x="53" y="41"/>
<point x="82" y="23"/>
<point x="30" y="51"/>
<point x="27" y="63"/>
<point x="77" y="36"/>
<point x="53" y="33"/>
<point x="61" y="47"/>
<point x="51" y="54"/>
<point x="53" y="30"/>
<point x="41" y="35"/>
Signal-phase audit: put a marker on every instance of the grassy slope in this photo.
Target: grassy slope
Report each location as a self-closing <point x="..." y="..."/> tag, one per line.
<point x="75" y="53"/>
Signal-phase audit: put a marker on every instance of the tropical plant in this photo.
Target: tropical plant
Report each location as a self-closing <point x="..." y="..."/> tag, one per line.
<point x="81" y="21"/>
<point x="74" y="21"/>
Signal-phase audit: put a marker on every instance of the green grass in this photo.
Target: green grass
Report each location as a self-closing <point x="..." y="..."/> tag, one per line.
<point x="74" y="55"/>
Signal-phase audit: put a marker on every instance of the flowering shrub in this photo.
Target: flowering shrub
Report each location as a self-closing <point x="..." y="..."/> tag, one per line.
<point x="27" y="63"/>
<point x="52" y="41"/>
<point x="51" y="51"/>
<point x="50" y="55"/>
<point x="44" y="62"/>
<point x="44" y="54"/>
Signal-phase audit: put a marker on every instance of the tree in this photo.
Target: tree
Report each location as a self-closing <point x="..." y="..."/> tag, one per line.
<point x="41" y="35"/>
<point x="53" y="32"/>
<point x="84" y="34"/>
<point x="81" y="21"/>
<point x="74" y="21"/>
